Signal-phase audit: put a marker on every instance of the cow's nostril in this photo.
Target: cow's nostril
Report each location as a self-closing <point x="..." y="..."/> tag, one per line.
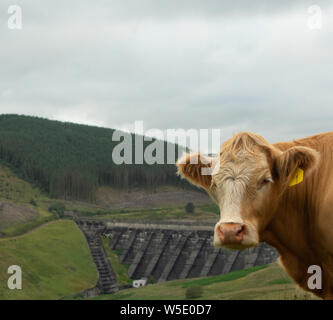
<point x="241" y="230"/>
<point x="219" y="231"/>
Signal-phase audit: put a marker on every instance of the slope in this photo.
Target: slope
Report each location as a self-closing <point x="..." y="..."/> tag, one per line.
<point x="261" y="282"/>
<point x="71" y="161"/>
<point x="55" y="261"/>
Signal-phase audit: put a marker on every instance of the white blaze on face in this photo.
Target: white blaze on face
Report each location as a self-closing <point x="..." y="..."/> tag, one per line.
<point x="231" y="183"/>
<point x="231" y="187"/>
<point x="230" y="208"/>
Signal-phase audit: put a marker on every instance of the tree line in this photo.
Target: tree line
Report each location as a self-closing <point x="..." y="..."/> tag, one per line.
<point x="71" y="161"/>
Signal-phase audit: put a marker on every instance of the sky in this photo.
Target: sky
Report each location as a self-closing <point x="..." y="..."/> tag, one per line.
<point x="260" y="66"/>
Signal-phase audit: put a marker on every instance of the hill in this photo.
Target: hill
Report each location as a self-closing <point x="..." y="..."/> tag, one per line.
<point x="70" y="161"/>
<point x="22" y="205"/>
<point x="257" y="283"/>
<point x="55" y="261"/>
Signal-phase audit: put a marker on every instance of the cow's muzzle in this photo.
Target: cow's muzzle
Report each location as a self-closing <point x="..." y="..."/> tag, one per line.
<point x="231" y="233"/>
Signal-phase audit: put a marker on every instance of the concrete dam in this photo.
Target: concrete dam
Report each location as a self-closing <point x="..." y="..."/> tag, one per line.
<point x="165" y="251"/>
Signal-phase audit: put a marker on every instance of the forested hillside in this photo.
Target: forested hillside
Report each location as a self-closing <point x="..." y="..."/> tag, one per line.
<point x="71" y="161"/>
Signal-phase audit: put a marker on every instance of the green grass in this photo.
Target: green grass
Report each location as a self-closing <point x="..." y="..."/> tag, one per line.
<point x="251" y="284"/>
<point x="19" y="229"/>
<point x="221" y="278"/>
<point x="55" y="262"/>
<point x="201" y="212"/>
<point x="120" y="270"/>
<point x="17" y="190"/>
<point x="280" y="281"/>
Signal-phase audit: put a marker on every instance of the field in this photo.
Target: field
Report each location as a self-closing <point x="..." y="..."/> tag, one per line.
<point x="15" y="189"/>
<point x="55" y="262"/>
<point x="201" y="212"/>
<point x="23" y="206"/>
<point x="264" y="282"/>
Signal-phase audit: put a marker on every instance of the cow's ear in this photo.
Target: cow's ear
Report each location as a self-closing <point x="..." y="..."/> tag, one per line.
<point x="290" y="160"/>
<point x="195" y="168"/>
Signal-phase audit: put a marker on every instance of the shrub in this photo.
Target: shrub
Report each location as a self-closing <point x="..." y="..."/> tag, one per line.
<point x="189" y="207"/>
<point x="33" y="202"/>
<point x="193" y="292"/>
<point x="151" y="279"/>
<point x="57" y="208"/>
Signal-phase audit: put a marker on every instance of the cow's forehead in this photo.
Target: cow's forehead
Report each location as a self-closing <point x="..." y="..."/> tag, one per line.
<point x="240" y="163"/>
<point x="243" y="158"/>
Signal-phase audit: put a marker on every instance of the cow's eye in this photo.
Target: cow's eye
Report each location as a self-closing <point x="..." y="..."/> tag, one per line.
<point x="264" y="182"/>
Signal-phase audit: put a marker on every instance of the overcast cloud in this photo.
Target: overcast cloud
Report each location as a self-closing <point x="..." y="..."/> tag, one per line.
<point x="236" y="65"/>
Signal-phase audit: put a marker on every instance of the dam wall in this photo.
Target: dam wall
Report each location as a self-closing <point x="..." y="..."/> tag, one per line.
<point x="166" y="251"/>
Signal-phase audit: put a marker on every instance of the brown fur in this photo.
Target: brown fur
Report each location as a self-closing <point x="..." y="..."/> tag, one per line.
<point x="190" y="166"/>
<point x="294" y="229"/>
<point x="298" y="220"/>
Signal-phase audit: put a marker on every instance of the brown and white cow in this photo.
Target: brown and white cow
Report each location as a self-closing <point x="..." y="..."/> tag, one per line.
<point x="253" y="183"/>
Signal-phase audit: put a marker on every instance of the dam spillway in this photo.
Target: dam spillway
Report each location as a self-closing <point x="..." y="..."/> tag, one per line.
<point x="168" y="250"/>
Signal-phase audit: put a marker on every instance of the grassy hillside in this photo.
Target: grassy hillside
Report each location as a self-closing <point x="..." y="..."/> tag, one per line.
<point x="71" y="161"/>
<point x="55" y="262"/>
<point x="15" y="189"/>
<point x="22" y="205"/>
<point x="163" y="196"/>
<point x="264" y="282"/>
<point x="201" y="212"/>
<point x="41" y="159"/>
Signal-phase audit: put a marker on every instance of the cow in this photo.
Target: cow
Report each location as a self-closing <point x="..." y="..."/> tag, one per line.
<point x="280" y="193"/>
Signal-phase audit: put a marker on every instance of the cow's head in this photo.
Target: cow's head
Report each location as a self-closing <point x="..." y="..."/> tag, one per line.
<point x="246" y="181"/>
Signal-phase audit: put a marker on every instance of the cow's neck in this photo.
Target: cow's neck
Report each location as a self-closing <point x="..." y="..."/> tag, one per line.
<point x="286" y="240"/>
<point x="292" y="228"/>
<point x="292" y="232"/>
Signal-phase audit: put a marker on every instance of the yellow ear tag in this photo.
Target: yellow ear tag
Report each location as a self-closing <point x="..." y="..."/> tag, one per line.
<point x="298" y="177"/>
